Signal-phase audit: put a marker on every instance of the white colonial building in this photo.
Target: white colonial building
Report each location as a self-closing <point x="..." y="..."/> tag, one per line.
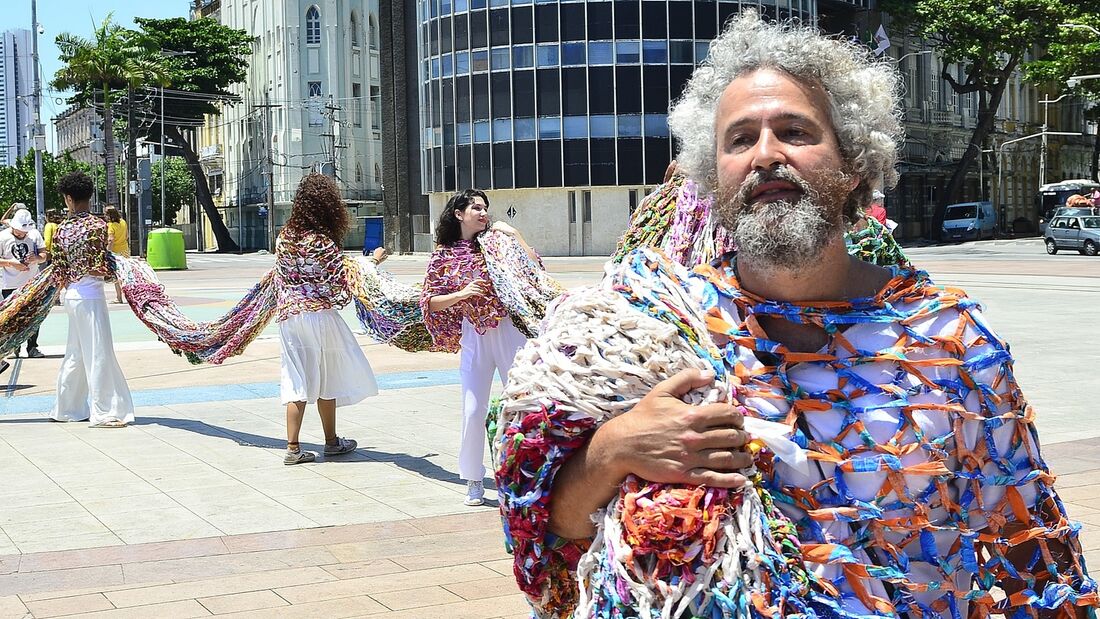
<point x="310" y="102"/>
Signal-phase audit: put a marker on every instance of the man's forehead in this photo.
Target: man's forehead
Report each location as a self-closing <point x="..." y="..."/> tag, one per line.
<point x="773" y="92"/>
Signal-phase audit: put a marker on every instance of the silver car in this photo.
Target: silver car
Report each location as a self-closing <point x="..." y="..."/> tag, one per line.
<point x="1080" y="233"/>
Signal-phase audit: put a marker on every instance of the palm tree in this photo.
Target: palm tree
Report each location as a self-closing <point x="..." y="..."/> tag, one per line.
<point x="114" y="58"/>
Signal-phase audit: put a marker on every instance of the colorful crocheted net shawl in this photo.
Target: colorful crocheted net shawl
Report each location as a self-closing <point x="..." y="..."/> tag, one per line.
<point x="521" y="288"/>
<point x="919" y="516"/>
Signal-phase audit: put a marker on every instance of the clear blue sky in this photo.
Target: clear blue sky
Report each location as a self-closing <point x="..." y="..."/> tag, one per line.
<point x="78" y="18"/>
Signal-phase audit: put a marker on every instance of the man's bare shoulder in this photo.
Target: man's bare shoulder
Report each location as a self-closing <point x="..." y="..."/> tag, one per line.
<point x="866" y="279"/>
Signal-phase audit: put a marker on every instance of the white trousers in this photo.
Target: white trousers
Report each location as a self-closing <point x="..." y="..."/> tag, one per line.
<point x="90" y="385"/>
<point x="481" y="357"/>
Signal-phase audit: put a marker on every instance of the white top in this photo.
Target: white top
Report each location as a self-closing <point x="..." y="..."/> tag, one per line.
<point x="87" y="287"/>
<point x="12" y="248"/>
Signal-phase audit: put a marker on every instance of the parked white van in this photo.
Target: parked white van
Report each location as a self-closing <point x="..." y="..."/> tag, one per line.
<point x="969" y="221"/>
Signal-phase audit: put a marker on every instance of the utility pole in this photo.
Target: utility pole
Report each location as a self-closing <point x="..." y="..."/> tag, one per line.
<point x="39" y="136"/>
<point x="330" y="114"/>
<point x="131" y="173"/>
<point x="269" y="173"/>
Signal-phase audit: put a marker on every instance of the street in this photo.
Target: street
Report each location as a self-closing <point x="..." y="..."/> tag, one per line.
<point x="190" y="512"/>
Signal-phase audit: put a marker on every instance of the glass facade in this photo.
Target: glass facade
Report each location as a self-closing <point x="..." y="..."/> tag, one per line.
<point x="560" y="93"/>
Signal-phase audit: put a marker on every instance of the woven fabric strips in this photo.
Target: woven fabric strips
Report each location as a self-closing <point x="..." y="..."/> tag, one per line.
<point x="927" y="494"/>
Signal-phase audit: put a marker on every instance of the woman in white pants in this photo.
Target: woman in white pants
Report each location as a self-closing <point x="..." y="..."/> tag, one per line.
<point x="321" y="361"/>
<point x="463" y="314"/>
<point x="90" y="385"/>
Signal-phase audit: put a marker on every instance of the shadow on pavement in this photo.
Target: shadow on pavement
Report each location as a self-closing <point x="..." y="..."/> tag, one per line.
<point x="420" y="465"/>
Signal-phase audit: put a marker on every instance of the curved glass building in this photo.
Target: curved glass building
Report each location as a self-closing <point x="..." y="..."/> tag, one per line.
<point x="559" y="108"/>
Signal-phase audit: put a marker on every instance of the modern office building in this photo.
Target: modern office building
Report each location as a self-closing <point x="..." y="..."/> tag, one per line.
<point x="16" y="95"/>
<point x="559" y="109"/>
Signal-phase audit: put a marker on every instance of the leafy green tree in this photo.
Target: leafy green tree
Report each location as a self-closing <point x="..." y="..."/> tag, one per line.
<point x="94" y="69"/>
<point x="1075" y="52"/>
<point x="207" y="59"/>
<point x="179" y="189"/>
<point x="17" y="181"/>
<point x="990" y="39"/>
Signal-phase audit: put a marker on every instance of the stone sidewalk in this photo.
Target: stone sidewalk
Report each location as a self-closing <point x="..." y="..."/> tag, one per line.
<point x="449" y="566"/>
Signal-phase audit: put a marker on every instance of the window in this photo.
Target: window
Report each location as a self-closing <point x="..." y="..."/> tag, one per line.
<point x="523" y="57"/>
<point x="377" y="174"/>
<point x="372" y="33"/>
<point x="587" y="213"/>
<point x="549" y="128"/>
<point x="357" y="105"/>
<point x="358" y="172"/>
<point x="354" y="29"/>
<point x="572" y="54"/>
<point x="626" y="52"/>
<point x="654" y="52"/>
<point x="602" y="126"/>
<point x="548" y="55"/>
<point x="375" y="108"/>
<point x="316" y="118"/>
<point x="572" y="207"/>
<point x="632" y="200"/>
<point x="480" y="61"/>
<point x="600" y="52"/>
<point x="500" y="59"/>
<point x="313" y="26"/>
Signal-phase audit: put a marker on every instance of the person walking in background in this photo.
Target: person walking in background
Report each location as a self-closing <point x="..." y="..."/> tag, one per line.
<point x="118" y="240"/>
<point x="90" y="384"/>
<point x="22" y="249"/>
<point x="321" y="361"/>
<point x="53" y="218"/>
<point x="463" y="314"/>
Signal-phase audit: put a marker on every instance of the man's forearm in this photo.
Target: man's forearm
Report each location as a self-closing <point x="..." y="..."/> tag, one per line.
<point x="585" y="483"/>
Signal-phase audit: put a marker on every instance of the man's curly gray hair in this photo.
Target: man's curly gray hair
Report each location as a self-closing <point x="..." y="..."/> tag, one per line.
<point x="862" y="92"/>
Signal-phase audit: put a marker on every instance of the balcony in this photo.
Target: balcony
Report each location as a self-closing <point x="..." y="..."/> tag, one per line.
<point x="211" y="151"/>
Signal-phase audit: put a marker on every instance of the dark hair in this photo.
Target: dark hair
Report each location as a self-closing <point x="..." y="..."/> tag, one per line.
<point x="77" y="185"/>
<point x="318" y="208"/>
<point x="112" y="214"/>
<point x="449" y="230"/>
<point x="54" y="215"/>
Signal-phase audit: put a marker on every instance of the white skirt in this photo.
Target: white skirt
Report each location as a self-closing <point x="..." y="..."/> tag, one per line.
<point x="322" y="361"/>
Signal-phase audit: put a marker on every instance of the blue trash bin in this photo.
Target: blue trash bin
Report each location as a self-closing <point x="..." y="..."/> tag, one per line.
<point x="373" y="234"/>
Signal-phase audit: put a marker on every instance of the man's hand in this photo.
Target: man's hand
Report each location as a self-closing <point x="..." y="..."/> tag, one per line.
<point x="665" y="440"/>
<point x="380" y="254"/>
<point x="18" y="266"/>
<point x="662" y="439"/>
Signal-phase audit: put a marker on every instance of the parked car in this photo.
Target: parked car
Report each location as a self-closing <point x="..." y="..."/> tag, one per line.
<point x="969" y="221"/>
<point x="1067" y="211"/>
<point x="1080" y="233"/>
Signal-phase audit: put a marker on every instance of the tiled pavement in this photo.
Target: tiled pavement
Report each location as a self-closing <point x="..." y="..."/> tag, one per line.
<point x="449" y="566"/>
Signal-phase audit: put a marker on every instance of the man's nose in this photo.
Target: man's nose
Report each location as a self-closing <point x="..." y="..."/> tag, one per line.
<point x="767" y="152"/>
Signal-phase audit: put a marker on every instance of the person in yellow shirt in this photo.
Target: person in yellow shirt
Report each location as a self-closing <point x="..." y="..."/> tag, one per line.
<point x="118" y="240"/>
<point x="52" y="219"/>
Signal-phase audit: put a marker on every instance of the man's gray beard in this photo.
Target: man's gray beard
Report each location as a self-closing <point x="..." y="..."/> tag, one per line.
<point x="780" y="234"/>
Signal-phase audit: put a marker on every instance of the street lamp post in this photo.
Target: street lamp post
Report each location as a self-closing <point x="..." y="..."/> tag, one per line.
<point x="1001" y="156"/>
<point x="1081" y="27"/>
<point x="926" y="51"/>
<point x="163" y="152"/>
<point x="1043" y="153"/>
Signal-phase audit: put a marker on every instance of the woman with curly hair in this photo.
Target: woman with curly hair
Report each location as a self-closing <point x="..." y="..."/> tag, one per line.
<point x="463" y="314"/>
<point x="321" y="361"/>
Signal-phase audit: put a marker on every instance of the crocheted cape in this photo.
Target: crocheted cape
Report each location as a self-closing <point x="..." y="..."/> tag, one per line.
<point x="927" y="471"/>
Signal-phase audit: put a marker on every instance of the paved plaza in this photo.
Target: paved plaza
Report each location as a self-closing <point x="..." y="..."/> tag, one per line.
<point x="190" y="512"/>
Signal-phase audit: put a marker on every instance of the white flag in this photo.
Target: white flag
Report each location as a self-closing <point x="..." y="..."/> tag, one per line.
<point x="882" y="42"/>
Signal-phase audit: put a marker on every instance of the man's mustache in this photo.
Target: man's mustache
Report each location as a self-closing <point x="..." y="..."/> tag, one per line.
<point x="757" y="178"/>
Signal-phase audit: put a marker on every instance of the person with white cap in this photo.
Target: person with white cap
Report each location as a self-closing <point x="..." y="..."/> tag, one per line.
<point x="876" y="208"/>
<point x="22" y="249"/>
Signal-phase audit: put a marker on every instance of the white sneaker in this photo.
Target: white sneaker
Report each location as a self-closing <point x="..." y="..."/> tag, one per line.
<point x="475" y="493"/>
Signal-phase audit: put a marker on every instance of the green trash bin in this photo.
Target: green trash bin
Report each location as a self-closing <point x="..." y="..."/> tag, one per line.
<point x="165" y="249"/>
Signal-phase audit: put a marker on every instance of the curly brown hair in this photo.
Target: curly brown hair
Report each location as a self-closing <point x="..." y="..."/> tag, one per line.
<point x="318" y="208"/>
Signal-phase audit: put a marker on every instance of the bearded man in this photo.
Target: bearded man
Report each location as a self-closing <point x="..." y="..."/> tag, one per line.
<point x="925" y="493"/>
